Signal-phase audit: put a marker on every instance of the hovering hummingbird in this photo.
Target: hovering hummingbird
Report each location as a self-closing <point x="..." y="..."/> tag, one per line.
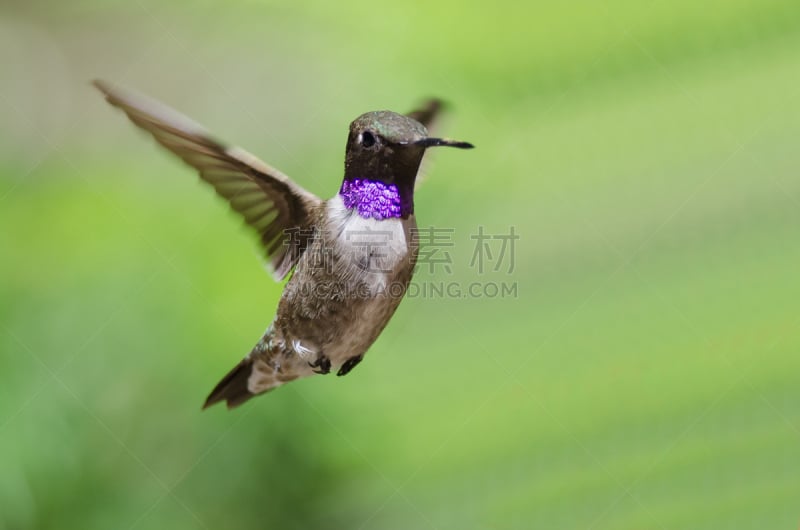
<point x="353" y="255"/>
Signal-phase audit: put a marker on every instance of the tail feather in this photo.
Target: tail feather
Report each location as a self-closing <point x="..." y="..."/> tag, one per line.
<point x="259" y="372"/>
<point x="233" y="387"/>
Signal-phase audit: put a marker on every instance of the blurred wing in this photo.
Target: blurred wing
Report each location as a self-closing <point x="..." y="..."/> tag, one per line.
<point x="428" y="115"/>
<point x="279" y="210"/>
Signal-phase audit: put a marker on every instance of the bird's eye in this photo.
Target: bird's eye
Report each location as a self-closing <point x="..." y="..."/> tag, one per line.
<point x="367" y="139"/>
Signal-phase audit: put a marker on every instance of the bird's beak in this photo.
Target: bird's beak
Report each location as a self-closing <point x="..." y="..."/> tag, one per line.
<point x="435" y="142"/>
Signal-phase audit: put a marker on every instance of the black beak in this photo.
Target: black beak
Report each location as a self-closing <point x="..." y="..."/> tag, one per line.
<point x="435" y="142"/>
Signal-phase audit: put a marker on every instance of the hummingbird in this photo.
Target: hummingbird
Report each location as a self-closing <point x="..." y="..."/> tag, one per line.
<point x="351" y="257"/>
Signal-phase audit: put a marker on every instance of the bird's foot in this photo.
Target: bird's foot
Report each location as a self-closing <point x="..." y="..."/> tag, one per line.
<point x="323" y="363"/>
<point x="349" y="364"/>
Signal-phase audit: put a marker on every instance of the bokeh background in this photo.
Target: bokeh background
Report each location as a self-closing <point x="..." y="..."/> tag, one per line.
<point x="644" y="377"/>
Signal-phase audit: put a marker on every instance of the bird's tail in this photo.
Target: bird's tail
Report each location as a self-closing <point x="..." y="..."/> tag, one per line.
<point x="233" y="387"/>
<point x="259" y="372"/>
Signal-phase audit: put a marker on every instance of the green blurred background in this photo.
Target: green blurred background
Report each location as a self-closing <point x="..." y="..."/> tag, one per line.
<point x="645" y="377"/>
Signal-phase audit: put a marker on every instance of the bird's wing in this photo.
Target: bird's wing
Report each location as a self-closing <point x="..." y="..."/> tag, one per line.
<point x="427" y="114"/>
<point x="279" y="210"/>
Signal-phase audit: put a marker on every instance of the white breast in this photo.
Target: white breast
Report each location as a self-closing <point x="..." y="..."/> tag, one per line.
<point x="377" y="248"/>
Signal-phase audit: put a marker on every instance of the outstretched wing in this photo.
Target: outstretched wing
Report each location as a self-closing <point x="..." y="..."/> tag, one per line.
<point x="279" y="210"/>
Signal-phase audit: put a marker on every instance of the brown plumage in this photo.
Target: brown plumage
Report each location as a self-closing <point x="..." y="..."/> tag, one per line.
<point x="342" y="293"/>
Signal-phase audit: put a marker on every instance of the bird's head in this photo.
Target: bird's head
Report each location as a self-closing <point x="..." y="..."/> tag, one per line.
<point x="384" y="151"/>
<point x="388" y="147"/>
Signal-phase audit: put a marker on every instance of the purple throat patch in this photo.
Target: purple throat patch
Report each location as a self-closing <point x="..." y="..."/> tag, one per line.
<point x="373" y="199"/>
